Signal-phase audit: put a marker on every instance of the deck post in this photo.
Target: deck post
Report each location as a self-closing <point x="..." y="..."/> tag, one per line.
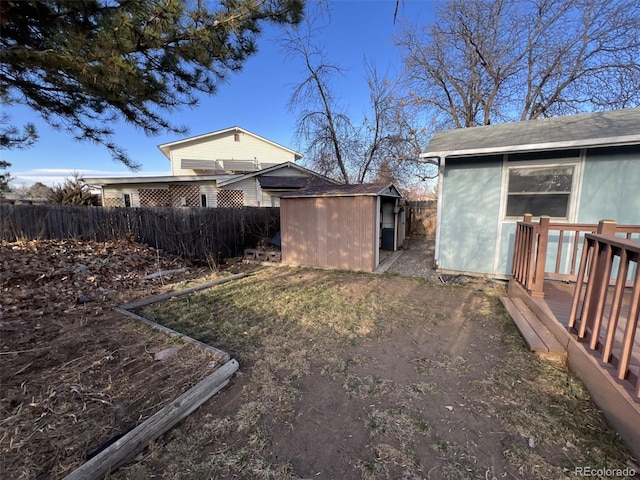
<point x="607" y="227"/>
<point x="537" y="289"/>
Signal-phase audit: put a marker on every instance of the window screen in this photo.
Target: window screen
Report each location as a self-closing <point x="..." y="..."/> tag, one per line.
<point x="539" y="191"/>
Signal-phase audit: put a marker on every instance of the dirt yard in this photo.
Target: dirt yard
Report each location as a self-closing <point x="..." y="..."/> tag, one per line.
<point x="343" y="375"/>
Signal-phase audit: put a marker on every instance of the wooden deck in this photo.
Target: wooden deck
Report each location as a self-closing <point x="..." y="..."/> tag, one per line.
<point x="558" y="297"/>
<point x="606" y="360"/>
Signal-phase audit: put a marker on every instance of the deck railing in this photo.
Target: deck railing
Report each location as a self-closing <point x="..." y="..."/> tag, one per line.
<point x="536" y="241"/>
<point x="530" y="249"/>
<point x="609" y="329"/>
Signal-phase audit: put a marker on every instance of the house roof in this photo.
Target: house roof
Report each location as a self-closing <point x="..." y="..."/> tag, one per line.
<point x="221" y="180"/>
<point x="617" y="127"/>
<point x="156" y="179"/>
<point x="166" y="147"/>
<point x="354" y="190"/>
<point x="272" y="169"/>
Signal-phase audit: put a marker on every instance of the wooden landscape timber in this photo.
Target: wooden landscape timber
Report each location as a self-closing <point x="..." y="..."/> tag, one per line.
<point x="179" y="293"/>
<point x="220" y="355"/>
<point x="127" y="447"/>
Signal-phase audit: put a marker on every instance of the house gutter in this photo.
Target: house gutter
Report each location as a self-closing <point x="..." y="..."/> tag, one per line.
<point x="620" y="140"/>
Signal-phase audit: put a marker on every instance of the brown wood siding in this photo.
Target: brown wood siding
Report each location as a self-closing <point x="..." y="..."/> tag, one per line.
<point x="335" y="232"/>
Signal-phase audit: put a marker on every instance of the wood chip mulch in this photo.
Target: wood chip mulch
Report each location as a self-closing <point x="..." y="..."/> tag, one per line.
<point x="74" y="374"/>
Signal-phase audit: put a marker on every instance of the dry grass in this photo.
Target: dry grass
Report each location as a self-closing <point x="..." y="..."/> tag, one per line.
<point x="482" y="408"/>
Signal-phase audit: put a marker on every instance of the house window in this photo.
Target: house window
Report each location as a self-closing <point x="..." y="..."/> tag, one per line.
<point x="126" y="198"/>
<point x="230" y="198"/>
<point x="540" y="190"/>
<point x="236" y="137"/>
<point x="203" y="199"/>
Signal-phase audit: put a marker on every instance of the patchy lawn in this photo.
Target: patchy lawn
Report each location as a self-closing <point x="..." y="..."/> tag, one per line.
<point x="349" y="376"/>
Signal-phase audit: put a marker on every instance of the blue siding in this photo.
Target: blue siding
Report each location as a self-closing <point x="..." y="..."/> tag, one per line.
<point x="611" y="186"/>
<point x="610" y="189"/>
<point x="471" y="203"/>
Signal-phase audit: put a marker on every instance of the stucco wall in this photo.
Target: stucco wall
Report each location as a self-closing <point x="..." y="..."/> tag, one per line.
<point x="611" y="186"/>
<point x="471" y="203"/>
<point x="474" y="238"/>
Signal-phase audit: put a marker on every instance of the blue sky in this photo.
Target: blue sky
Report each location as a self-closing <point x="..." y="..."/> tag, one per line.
<point x="255" y="98"/>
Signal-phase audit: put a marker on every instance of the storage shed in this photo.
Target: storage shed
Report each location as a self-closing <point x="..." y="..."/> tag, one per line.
<point x="349" y="227"/>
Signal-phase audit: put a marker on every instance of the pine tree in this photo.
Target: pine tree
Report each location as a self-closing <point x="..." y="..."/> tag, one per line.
<point x="82" y="64"/>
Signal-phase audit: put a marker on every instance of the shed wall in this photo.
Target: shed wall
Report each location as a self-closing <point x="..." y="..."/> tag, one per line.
<point x="335" y="232"/>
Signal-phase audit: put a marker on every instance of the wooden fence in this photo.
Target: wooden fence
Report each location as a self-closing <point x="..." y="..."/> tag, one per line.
<point x="195" y="233"/>
<point x="421" y="219"/>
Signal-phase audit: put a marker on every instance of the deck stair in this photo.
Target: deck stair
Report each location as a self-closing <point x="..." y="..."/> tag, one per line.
<point x="537" y="337"/>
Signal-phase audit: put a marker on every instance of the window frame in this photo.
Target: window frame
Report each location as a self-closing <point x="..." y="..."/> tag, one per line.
<point x="126" y="196"/>
<point x="574" y="194"/>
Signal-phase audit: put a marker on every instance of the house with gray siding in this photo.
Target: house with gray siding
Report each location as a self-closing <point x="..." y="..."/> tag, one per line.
<point x="575" y="169"/>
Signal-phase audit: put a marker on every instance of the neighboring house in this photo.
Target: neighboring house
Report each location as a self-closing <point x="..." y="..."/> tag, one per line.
<point x="575" y="169"/>
<point x="226" y="168"/>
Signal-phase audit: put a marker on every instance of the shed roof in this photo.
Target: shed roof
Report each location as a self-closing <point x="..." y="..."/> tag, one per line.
<point x="617" y="127"/>
<point x="351" y="190"/>
<point x="277" y="182"/>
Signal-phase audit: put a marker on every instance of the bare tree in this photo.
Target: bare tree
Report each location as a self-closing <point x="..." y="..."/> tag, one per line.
<point x="336" y="144"/>
<point x="322" y="123"/>
<point x="485" y="61"/>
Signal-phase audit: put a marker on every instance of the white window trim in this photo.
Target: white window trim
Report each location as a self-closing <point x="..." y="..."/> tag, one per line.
<point x="124" y="202"/>
<point x="576" y="183"/>
<point x="574" y="199"/>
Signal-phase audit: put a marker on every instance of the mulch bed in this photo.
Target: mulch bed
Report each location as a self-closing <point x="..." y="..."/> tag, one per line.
<point x="74" y="374"/>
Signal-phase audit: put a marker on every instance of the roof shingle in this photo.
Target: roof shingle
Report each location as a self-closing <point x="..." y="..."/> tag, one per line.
<point x="583" y="130"/>
<point x="358" y="189"/>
